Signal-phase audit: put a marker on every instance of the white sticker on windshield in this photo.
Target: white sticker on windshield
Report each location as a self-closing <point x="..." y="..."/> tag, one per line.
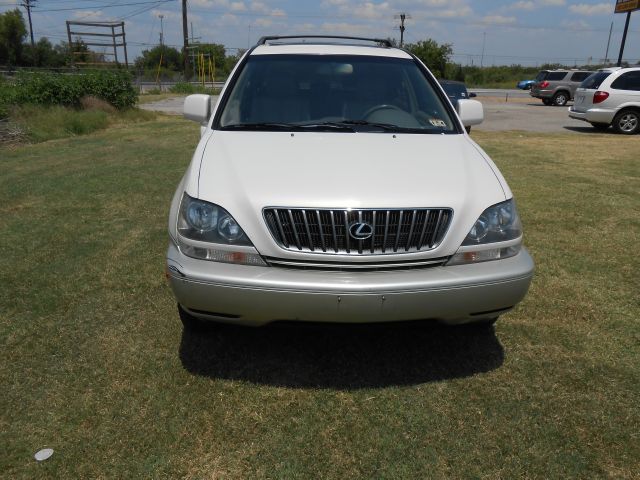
<point x="436" y="122"/>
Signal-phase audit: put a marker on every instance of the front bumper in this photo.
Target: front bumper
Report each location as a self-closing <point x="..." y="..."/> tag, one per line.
<point x="258" y="295"/>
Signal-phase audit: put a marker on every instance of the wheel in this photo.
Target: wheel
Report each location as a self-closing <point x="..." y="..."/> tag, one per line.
<point x="193" y="324"/>
<point x="627" y="122"/>
<point x="546" y="101"/>
<point x="600" y="126"/>
<point x="560" y="99"/>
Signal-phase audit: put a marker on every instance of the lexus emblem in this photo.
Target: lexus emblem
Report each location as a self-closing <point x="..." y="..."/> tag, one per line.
<point x="360" y="230"/>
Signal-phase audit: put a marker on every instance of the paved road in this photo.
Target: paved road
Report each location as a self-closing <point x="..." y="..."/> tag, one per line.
<point x="518" y="112"/>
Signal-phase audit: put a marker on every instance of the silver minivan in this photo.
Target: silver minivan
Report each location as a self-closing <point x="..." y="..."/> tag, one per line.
<point x="610" y="97"/>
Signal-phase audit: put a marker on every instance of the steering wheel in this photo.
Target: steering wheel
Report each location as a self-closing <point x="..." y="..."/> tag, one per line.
<point x="384" y="106"/>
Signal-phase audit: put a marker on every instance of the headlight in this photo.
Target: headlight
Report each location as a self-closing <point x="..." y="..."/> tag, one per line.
<point x="498" y="223"/>
<point x="208" y="232"/>
<point x="206" y="222"/>
<point x="497" y="234"/>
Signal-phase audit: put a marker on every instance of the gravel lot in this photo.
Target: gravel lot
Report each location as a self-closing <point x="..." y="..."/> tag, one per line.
<point x="503" y="110"/>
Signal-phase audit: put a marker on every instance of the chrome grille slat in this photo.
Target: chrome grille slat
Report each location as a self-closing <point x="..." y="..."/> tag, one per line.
<point x="373" y="237"/>
<point x="324" y="249"/>
<point x="333" y="230"/>
<point x="306" y="227"/>
<point x="424" y="228"/>
<point x="295" y="230"/>
<point x="413" y="224"/>
<point x="346" y="229"/>
<point x="318" y="230"/>
<point x="398" y="231"/>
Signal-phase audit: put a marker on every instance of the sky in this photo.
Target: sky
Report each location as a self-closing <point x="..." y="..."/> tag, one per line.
<point x="526" y="32"/>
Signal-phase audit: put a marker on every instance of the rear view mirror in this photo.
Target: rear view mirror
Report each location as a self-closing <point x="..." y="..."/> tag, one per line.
<point x="471" y="112"/>
<point x="197" y="108"/>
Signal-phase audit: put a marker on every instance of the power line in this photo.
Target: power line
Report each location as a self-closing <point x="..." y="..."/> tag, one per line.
<point x="111" y="5"/>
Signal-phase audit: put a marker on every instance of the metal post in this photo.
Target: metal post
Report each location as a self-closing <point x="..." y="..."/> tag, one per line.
<point x="124" y="44"/>
<point x="27" y="5"/>
<point x="70" y="43"/>
<point x="624" y="38"/>
<point x="606" y="55"/>
<point x="185" y="36"/>
<point x="115" y="47"/>
<point x="402" y="28"/>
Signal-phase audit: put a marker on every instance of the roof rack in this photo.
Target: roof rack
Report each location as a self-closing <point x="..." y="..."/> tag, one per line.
<point x="382" y="42"/>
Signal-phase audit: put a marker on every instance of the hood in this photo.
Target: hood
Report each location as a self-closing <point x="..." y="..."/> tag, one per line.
<point x="245" y="172"/>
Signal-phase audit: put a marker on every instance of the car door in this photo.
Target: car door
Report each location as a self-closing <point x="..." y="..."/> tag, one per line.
<point x="626" y="88"/>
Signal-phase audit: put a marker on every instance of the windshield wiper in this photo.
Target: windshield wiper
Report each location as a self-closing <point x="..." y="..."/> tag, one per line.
<point x="290" y="127"/>
<point x="388" y="127"/>
<point x="270" y="126"/>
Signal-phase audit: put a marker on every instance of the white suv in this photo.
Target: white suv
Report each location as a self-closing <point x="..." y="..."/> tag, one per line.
<point x="335" y="182"/>
<point x="610" y="97"/>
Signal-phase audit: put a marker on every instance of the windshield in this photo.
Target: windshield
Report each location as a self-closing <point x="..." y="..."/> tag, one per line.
<point x="594" y="80"/>
<point x="336" y="93"/>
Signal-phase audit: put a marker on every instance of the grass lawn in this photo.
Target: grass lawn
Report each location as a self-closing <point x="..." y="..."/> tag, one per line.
<point x="95" y="363"/>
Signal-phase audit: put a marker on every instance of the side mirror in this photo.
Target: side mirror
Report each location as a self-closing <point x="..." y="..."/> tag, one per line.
<point x="471" y="112"/>
<point x="197" y="108"/>
<point x="472" y="95"/>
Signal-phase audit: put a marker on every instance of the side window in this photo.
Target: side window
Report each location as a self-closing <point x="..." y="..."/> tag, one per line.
<point x="579" y="76"/>
<point x="627" y="81"/>
<point x="556" y="76"/>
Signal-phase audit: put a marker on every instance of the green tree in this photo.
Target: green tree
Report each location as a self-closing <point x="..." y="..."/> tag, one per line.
<point x="12" y="33"/>
<point x="434" y="55"/>
<point x="150" y="59"/>
<point x="44" y="54"/>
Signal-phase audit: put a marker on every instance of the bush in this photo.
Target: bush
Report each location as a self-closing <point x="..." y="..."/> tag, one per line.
<point x="189" y="88"/>
<point x="114" y="87"/>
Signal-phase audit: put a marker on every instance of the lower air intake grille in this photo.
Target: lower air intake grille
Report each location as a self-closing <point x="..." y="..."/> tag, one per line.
<point x="358" y="232"/>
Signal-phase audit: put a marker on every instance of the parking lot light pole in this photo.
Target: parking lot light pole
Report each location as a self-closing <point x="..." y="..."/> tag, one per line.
<point x="624" y="38"/>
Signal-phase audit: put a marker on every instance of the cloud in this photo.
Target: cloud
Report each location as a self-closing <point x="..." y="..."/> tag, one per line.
<point x="499" y="20"/>
<point x="89" y="15"/>
<point x="590" y="9"/>
<point x="522" y="5"/>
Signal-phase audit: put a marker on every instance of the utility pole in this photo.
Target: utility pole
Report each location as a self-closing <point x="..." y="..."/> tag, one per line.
<point x="161" y="32"/>
<point x="185" y="37"/>
<point x="484" y="41"/>
<point x="606" y="55"/>
<point x="28" y="4"/>
<point x="402" y="16"/>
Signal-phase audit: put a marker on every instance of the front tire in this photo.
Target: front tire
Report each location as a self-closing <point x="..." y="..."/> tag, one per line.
<point x="627" y="122"/>
<point x="560" y="99"/>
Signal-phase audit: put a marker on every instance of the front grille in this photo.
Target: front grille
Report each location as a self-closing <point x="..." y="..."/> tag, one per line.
<point x="327" y="231"/>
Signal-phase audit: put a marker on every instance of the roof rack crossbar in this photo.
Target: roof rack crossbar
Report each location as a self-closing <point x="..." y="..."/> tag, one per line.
<point x="380" y="41"/>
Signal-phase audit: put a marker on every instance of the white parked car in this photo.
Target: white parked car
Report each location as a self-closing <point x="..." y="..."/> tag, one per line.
<point x="335" y="182"/>
<point x="610" y="97"/>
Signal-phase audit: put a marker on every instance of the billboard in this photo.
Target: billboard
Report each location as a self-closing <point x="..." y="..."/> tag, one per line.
<point x="623" y="6"/>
